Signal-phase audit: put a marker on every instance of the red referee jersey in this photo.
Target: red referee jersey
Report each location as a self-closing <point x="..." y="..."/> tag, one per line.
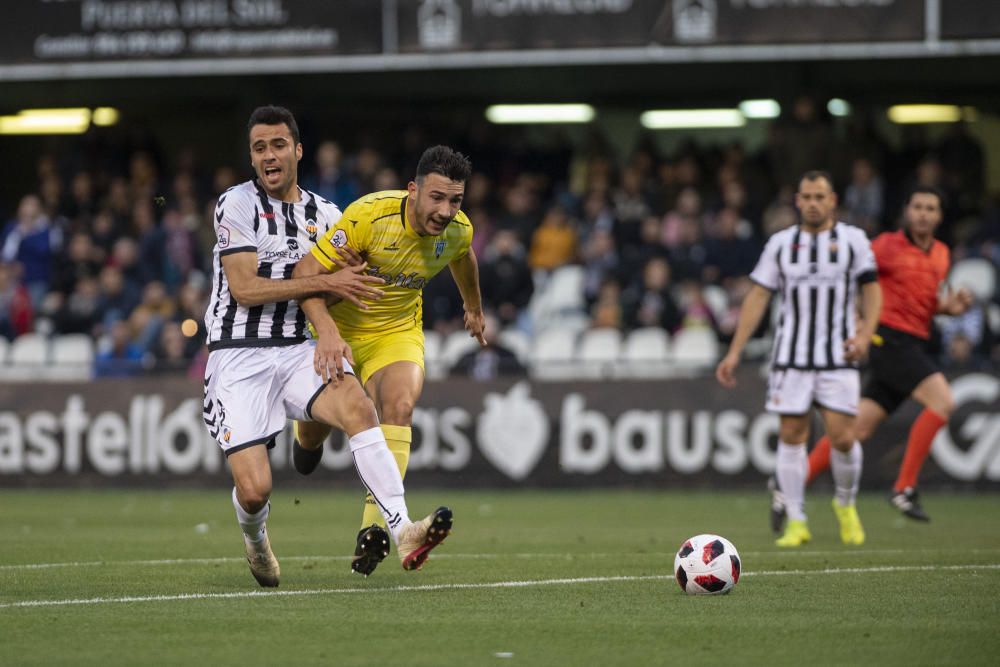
<point x="909" y="278"/>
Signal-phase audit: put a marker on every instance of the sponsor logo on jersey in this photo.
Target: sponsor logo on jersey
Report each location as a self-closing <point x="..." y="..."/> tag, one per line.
<point x="279" y="254"/>
<point x="408" y="280"/>
<point x="439" y="247"/>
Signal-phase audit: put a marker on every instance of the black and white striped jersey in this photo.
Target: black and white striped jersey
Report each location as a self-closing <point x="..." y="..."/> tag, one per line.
<point x="818" y="276"/>
<point x="247" y="220"/>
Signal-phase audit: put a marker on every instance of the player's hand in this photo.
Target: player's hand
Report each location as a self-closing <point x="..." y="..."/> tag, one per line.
<point x="328" y="358"/>
<point x="856" y="348"/>
<point x="475" y="324"/>
<point x="725" y="371"/>
<point x="354" y="285"/>
<point x="346" y="256"/>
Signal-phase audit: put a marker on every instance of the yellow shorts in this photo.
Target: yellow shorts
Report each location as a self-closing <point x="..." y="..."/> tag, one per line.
<point x="374" y="352"/>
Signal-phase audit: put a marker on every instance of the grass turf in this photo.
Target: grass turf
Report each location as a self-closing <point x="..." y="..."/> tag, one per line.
<point x="914" y="594"/>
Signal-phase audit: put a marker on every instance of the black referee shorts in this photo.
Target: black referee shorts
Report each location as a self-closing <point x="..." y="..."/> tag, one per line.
<point x="897" y="364"/>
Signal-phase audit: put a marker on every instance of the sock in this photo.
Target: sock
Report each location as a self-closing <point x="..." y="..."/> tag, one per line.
<point x="252" y="524"/>
<point x="398" y="439"/>
<point x="377" y="469"/>
<point x="846" y="473"/>
<point x="922" y="433"/>
<point x="819" y="458"/>
<point x="791" y="470"/>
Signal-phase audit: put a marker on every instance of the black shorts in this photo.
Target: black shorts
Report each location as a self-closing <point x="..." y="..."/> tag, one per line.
<point x="896" y="367"/>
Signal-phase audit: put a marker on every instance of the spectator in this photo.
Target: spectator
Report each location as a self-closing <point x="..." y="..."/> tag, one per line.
<point x="80" y="260"/>
<point x="16" y="313"/>
<point x="607" y="311"/>
<point x="148" y="318"/>
<point x="505" y="277"/>
<point x="731" y="250"/>
<point x="330" y="180"/>
<point x="631" y="208"/>
<point x="152" y="239"/>
<point x="962" y="337"/>
<point x="33" y="241"/>
<point x="170" y="353"/>
<point x="118" y="297"/>
<point x="650" y="303"/>
<point x="696" y="313"/>
<point x="490" y="362"/>
<point x="687" y="212"/>
<point x="600" y="261"/>
<point x="117" y="355"/>
<point x="181" y="252"/>
<point x="554" y="242"/>
<point x="635" y="257"/>
<point x="863" y="199"/>
<point x="79" y="311"/>
<point x="520" y="210"/>
<point x="82" y="205"/>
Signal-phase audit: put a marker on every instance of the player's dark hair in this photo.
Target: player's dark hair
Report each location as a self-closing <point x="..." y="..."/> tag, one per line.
<point x="445" y="161"/>
<point x="925" y="190"/>
<point x="815" y="175"/>
<point x="272" y="115"/>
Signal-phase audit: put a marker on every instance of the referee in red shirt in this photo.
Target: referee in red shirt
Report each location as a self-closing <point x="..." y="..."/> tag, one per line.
<point x="912" y="265"/>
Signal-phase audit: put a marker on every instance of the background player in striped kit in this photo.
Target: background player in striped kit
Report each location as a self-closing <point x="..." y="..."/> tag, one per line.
<point x="260" y="365"/>
<point x="818" y="266"/>
<point x="912" y="267"/>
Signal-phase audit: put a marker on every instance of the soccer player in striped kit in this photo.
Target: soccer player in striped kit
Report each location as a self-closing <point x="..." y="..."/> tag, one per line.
<point x="912" y="266"/>
<point x="260" y="362"/>
<point x="819" y="266"/>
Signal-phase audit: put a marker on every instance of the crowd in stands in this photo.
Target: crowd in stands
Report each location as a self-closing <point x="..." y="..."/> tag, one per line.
<point x="121" y="250"/>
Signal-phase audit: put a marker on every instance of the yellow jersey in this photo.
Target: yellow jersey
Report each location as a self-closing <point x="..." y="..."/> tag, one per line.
<point x="376" y="227"/>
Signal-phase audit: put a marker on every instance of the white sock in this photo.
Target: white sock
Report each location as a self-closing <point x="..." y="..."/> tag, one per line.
<point x="846" y="469"/>
<point x="252" y="524"/>
<point x="791" y="471"/>
<point x="380" y="474"/>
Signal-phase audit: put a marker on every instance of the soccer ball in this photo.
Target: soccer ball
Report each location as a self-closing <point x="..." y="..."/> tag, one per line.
<point x="707" y="565"/>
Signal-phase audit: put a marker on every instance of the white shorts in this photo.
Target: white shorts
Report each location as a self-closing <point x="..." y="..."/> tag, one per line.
<point x="794" y="392"/>
<point x="251" y="391"/>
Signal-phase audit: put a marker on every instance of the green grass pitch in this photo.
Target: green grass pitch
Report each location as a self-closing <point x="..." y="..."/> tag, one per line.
<point x="527" y="578"/>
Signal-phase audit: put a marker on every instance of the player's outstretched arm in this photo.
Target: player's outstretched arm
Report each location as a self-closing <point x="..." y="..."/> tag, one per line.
<point x="856" y="347"/>
<point x="753" y="309"/>
<point x="351" y="282"/>
<point x="249" y="289"/>
<point x="465" y="271"/>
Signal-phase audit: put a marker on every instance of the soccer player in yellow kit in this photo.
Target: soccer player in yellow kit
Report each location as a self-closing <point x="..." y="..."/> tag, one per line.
<point x="405" y="237"/>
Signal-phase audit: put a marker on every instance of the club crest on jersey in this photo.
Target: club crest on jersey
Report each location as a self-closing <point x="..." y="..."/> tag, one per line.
<point x="439" y="247"/>
<point x="311" y="229"/>
<point x="339" y="239"/>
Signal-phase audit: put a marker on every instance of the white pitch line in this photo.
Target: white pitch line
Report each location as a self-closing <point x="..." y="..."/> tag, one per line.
<point x="483" y="556"/>
<point x="530" y="583"/>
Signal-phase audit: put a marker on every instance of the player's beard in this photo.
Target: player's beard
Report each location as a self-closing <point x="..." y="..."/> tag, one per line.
<point x="814" y="222"/>
<point x="280" y="187"/>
